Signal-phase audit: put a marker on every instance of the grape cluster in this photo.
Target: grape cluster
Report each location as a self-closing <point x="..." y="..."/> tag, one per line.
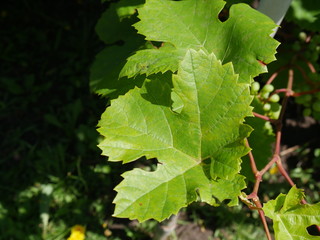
<point x="310" y="48"/>
<point x="305" y="52"/>
<point x="268" y="98"/>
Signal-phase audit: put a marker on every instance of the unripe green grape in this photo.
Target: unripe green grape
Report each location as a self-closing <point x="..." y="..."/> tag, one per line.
<point x="267" y="88"/>
<point x="307" y="112"/>
<point x="317" y="152"/>
<point x="274" y="98"/>
<point x="266" y="107"/>
<point x="302" y="36"/>
<point x="274" y="115"/>
<point x="318" y="48"/>
<point x="316" y="106"/>
<point x="265" y="95"/>
<point x="275" y="110"/>
<point x="268" y="127"/>
<point x="255" y="87"/>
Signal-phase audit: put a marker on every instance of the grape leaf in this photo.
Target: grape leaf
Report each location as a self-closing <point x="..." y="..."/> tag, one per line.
<point x="242" y="39"/>
<point x="198" y="149"/>
<point x="290" y="217"/>
<point x="115" y="23"/>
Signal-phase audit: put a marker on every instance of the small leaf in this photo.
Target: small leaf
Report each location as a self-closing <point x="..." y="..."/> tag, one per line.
<point x="290" y="217"/>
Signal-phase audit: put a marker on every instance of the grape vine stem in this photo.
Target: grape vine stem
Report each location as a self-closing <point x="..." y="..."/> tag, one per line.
<point x="276" y="159"/>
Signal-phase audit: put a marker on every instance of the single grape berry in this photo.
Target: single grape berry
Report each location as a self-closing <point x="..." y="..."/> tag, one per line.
<point x="302" y="36"/>
<point x="274" y="98"/>
<point x="264" y="95"/>
<point x="274" y="115"/>
<point x="268" y="88"/>
<point x="268" y="127"/>
<point x="255" y="87"/>
<point x="266" y="107"/>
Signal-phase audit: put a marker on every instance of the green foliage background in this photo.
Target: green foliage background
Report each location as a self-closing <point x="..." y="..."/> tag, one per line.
<point x="52" y="175"/>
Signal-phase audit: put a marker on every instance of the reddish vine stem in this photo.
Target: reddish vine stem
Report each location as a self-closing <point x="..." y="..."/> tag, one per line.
<point x="262" y="217"/>
<point x="296" y="94"/>
<point x="305" y="92"/>
<point x="262" y="116"/>
<point x="274" y="75"/>
<point x="254" y="194"/>
<point x="252" y="162"/>
<point x="276" y="156"/>
<point x="289" y="93"/>
<point x="310" y="65"/>
<point x="281" y="90"/>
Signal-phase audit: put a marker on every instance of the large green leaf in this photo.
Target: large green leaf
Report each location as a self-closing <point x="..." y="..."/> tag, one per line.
<point x="290" y="217"/>
<point x="243" y="39"/>
<point x="198" y="149"/>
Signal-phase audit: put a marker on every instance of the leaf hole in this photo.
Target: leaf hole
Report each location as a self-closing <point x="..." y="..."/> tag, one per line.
<point x="149" y="165"/>
<point x="313" y="230"/>
<point x="224" y="15"/>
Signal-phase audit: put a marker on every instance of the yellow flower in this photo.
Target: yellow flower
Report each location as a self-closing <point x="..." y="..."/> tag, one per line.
<point x="77" y="233"/>
<point x="274" y="170"/>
